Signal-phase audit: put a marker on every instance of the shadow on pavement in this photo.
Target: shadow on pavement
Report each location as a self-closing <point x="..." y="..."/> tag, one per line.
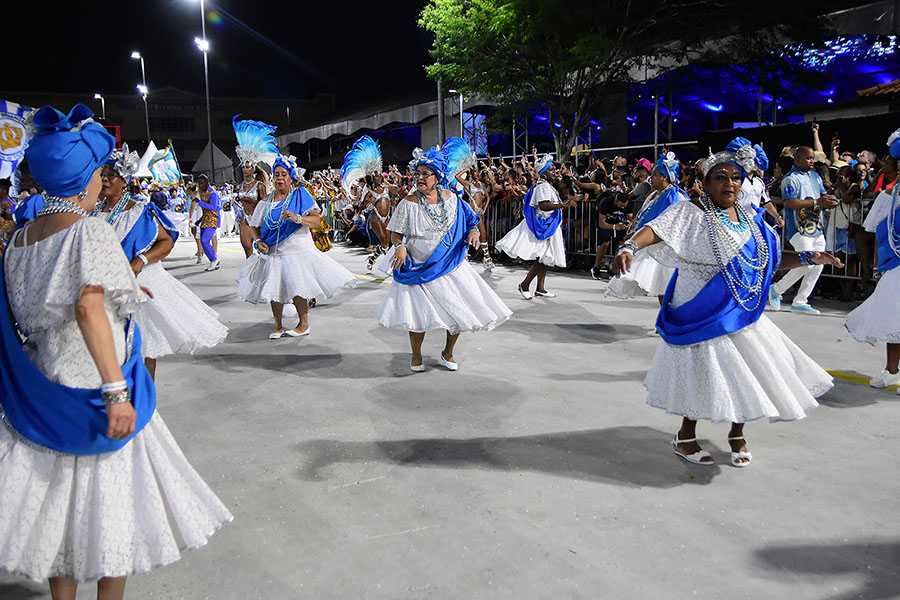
<point x="561" y="333"/>
<point x="20" y="591"/>
<point x="599" y="377"/>
<point x="875" y="563"/>
<point x="627" y="456"/>
<point x="845" y="394"/>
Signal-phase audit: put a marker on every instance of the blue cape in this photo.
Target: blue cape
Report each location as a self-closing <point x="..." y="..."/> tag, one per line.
<point x="540" y="227"/>
<point x="667" y="198"/>
<point x="143" y="233"/>
<point x="64" y="419"/>
<point x="714" y="311"/>
<point x="887" y="258"/>
<point x="448" y="255"/>
<point x="28" y="210"/>
<point x="300" y="202"/>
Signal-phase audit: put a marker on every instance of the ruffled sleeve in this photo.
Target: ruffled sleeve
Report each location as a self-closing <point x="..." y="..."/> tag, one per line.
<point x="680" y="227"/>
<point x="400" y="220"/>
<point x="90" y="255"/>
<point x="879" y="212"/>
<point x="544" y="192"/>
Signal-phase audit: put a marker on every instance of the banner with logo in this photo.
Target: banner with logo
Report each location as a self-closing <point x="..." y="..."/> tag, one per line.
<point x="164" y="166"/>
<point x="13" y="136"/>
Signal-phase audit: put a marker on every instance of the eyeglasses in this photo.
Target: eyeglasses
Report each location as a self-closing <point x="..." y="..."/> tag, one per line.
<point x="423" y="175"/>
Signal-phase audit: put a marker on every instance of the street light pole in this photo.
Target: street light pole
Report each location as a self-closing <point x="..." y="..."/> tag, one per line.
<point x="102" y="100"/>
<point x="461" y="131"/>
<point x="203" y="45"/>
<point x="289" y="116"/>
<point x="146" y="91"/>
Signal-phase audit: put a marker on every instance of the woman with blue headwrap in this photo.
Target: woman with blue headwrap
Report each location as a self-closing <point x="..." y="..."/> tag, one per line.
<point x="721" y="358"/>
<point x="538" y="236"/>
<point x="287" y="267"/>
<point x="878" y="318"/>
<point x="94" y="487"/>
<point x="148" y="236"/>
<point x="434" y="286"/>
<point x="647" y="275"/>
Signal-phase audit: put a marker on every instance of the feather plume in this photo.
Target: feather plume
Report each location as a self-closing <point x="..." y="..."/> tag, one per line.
<point x="256" y="143"/>
<point x="363" y="159"/>
<point x="458" y="156"/>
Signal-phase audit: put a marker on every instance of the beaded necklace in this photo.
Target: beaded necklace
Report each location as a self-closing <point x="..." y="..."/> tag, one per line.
<point x="54" y="205"/>
<point x="116" y="210"/>
<point x="440" y="216"/>
<point x="739" y="227"/>
<point x="893" y="236"/>
<point x="273" y="223"/>
<point x="737" y="273"/>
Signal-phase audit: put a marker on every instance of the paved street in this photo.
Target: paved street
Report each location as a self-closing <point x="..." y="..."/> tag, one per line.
<point x="536" y="471"/>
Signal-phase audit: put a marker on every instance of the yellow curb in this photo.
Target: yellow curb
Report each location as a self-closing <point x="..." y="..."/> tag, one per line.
<point x="860" y="379"/>
<point x="369" y="277"/>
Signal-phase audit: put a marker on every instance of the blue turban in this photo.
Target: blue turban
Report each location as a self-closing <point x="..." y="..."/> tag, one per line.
<point x="762" y="159"/>
<point x="434" y="159"/>
<point x="65" y="150"/>
<point x="669" y="167"/>
<point x="894" y="144"/>
<point x="285" y="163"/>
<point x="736" y="143"/>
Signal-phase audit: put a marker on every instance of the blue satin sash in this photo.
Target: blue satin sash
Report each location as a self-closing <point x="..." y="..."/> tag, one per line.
<point x="28" y="210"/>
<point x="299" y="202"/>
<point x="887" y="258"/>
<point x="144" y="232"/>
<point x="540" y="227"/>
<point x="448" y="255"/>
<point x="666" y="199"/>
<point x="58" y="417"/>
<point x="714" y="311"/>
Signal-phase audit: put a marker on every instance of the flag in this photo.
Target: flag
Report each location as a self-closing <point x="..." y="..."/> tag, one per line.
<point x="14" y="135"/>
<point x="164" y="166"/>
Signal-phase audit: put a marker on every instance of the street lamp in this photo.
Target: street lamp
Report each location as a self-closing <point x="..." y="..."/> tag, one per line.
<point x="460" y="112"/>
<point x="99" y="97"/>
<point x="203" y="46"/>
<point x="137" y="56"/>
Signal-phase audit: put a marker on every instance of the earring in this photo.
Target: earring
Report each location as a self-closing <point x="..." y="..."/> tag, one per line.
<point x="83" y="195"/>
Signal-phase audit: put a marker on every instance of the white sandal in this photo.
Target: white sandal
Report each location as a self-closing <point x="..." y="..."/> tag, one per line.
<point x="695" y="458"/>
<point x="736" y="456"/>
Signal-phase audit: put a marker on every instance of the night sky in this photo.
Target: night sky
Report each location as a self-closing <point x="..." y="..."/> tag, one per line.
<point x="363" y="52"/>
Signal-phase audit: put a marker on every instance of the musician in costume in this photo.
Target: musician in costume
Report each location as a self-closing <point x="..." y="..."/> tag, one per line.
<point x="878" y="318"/>
<point x="434" y="287"/>
<point x="94" y="487"/>
<point x="364" y="161"/>
<point x="804" y="198"/>
<point x="721" y="358"/>
<point x="538" y="236"/>
<point x="256" y="146"/>
<point x="646" y="275"/>
<point x="148" y="236"/>
<point x="287" y="267"/>
<point x="207" y="199"/>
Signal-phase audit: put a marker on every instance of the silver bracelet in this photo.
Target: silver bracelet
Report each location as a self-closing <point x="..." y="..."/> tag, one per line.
<point x="143" y="259"/>
<point x="113" y="386"/>
<point x="119" y="397"/>
<point x="630" y="246"/>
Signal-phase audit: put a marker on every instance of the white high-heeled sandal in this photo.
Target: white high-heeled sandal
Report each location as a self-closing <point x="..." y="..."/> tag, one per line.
<point x="695" y="458"/>
<point x="736" y="456"/>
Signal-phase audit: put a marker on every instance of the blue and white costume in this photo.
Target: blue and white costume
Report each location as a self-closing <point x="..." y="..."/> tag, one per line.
<point x="648" y="276"/>
<point x="294" y="266"/>
<point x="878" y="318"/>
<point x="538" y="236"/>
<point x="437" y="288"/>
<point x="75" y="503"/>
<point x="721" y="358"/>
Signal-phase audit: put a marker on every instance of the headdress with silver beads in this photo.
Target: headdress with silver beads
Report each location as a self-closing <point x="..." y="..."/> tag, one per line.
<point x="739" y="153"/>
<point x="124" y="162"/>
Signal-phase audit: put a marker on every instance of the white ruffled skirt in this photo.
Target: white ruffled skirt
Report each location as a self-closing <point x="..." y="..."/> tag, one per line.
<point x="645" y="277"/>
<point x="755" y="373"/>
<point x="109" y="515"/>
<point x="459" y="301"/>
<point x="295" y="267"/>
<point x="522" y="243"/>
<point x="175" y="320"/>
<point x="878" y="318"/>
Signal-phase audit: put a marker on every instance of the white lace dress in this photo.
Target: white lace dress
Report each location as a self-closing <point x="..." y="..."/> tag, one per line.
<point x="878" y="318"/>
<point x="86" y="517"/>
<point x="295" y="267"/>
<point x="646" y="276"/>
<point x="754" y="373"/>
<point x="522" y="243"/>
<point x="175" y="320"/>
<point x="458" y="301"/>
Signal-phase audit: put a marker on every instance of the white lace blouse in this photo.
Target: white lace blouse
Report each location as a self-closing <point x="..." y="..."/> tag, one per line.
<point x="425" y="233"/>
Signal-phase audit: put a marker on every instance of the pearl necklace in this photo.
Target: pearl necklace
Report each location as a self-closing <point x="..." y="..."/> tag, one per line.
<point x="440" y="216"/>
<point x="737" y="271"/>
<point x="54" y="205"/>
<point x="273" y="223"/>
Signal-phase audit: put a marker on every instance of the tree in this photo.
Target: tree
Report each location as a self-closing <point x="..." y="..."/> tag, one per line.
<point x="565" y="55"/>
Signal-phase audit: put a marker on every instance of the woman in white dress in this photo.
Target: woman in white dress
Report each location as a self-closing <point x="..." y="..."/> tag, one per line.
<point x="434" y="287"/>
<point x="288" y="268"/>
<point x="878" y="318"/>
<point x="721" y="358"/>
<point x="175" y="320"/>
<point x="94" y="486"/>
<point x="538" y="236"/>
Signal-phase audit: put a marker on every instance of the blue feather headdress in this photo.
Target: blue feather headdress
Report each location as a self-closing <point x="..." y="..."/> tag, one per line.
<point x="256" y="143"/>
<point x="458" y="155"/>
<point x="363" y="159"/>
